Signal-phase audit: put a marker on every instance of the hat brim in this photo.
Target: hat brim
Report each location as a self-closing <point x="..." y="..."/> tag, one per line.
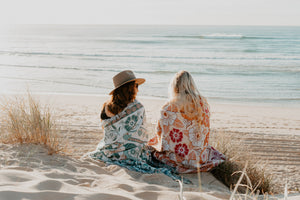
<point x="139" y="81"/>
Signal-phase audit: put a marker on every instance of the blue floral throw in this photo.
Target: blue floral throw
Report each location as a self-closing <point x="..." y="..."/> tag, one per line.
<point x="124" y="142"/>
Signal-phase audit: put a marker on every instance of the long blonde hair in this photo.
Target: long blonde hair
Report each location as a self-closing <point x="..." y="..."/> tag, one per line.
<point x="183" y="93"/>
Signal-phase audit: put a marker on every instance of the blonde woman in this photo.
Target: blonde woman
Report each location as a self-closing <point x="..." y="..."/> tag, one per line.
<point x="181" y="139"/>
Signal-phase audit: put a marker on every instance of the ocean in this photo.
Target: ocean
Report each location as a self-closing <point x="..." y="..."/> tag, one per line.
<point x="230" y="64"/>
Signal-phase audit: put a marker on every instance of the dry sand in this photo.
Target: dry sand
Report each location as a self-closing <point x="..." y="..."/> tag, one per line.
<point x="27" y="172"/>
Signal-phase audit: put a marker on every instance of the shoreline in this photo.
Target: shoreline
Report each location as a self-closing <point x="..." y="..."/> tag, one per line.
<point x="279" y="103"/>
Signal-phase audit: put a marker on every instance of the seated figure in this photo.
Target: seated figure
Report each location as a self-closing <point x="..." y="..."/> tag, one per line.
<point x="181" y="139"/>
<point x="125" y="134"/>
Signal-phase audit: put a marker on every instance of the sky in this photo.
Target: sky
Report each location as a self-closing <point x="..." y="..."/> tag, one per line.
<point x="177" y="12"/>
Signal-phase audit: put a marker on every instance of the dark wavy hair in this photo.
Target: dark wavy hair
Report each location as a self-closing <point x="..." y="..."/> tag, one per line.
<point x="121" y="97"/>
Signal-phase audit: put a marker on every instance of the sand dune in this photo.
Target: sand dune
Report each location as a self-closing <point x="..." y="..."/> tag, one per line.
<point x="272" y="133"/>
<point x="27" y="172"/>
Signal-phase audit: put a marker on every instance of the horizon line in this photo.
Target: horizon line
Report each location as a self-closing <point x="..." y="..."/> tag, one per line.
<point x="149" y="24"/>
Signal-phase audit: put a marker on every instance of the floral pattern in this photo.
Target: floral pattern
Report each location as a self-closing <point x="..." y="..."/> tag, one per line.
<point x="176" y="135"/>
<point x="110" y="136"/>
<point x="124" y="142"/>
<point x="130" y="123"/>
<point x="167" y="117"/>
<point x="124" y="135"/>
<point x="181" y="141"/>
<point x="195" y="138"/>
<point x="181" y="150"/>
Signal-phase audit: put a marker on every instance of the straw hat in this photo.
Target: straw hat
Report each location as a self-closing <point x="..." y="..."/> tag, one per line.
<point x="125" y="77"/>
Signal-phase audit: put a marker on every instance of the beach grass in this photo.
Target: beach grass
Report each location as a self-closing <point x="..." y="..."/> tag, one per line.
<point x="239" y="160"/>
<point x="25" y="121"/>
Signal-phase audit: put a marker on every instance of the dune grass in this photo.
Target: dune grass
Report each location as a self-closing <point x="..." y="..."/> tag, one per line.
<point x="25" y="121"/>
<point x="240" y="162"/>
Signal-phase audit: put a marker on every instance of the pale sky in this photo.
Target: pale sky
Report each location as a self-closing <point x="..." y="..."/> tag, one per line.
<point x="185" y="12"/>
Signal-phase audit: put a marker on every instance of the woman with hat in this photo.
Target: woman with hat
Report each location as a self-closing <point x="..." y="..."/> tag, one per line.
<point x="125" y="135"/>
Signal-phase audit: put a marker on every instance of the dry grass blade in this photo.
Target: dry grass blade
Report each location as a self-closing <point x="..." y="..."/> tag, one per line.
<point x="237" y="155"/>
<point x="181" y="197"/>
<point x="286" y="191"/>
<point x="25" y="121"/>
<point x="239" y="182"/>
<point x="199" y="176"/>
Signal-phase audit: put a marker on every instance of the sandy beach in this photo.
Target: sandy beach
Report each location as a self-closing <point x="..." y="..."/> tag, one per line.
<point x="27" y="172"/>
